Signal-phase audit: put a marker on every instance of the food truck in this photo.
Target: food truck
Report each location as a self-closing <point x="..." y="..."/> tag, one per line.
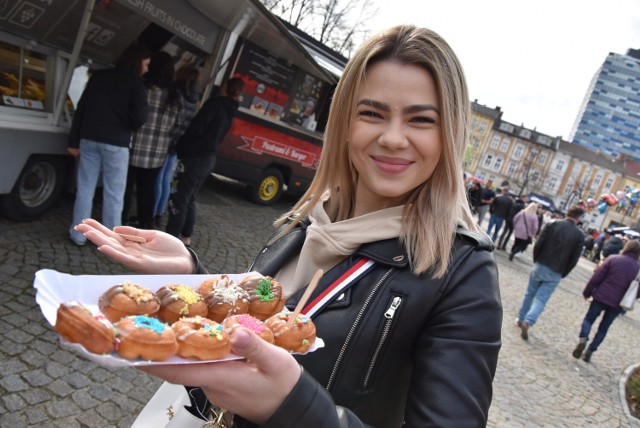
<point x="49" y="47"/>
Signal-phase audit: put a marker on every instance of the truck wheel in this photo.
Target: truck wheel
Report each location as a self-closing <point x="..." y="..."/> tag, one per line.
<point x="268" y="189"/>
<point x="40" y="183"/>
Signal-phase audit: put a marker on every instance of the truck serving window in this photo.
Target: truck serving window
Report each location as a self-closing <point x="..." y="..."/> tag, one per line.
<point x="22" y="77"/>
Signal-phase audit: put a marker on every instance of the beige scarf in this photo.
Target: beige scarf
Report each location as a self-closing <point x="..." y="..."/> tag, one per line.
<point x="327" y="244"/>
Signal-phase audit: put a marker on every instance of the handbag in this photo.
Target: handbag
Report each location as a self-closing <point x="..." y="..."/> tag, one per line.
<point x="630" y="296"/>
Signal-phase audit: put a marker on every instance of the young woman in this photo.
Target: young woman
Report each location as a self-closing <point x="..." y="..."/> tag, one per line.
<point x="525" y="228"/>
<point x="415" y="339"/>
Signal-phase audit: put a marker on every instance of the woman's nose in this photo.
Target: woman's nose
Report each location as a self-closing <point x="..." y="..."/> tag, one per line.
<point x="393" y="135"/>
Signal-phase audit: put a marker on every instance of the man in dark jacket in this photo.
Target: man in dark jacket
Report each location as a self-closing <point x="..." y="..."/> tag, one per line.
<point x="197" y="150"/>
<point x="502" y="205"/>
<point x="555" y="253"/>
<point x="518" y="206"/>
<point x="112" y="107"/>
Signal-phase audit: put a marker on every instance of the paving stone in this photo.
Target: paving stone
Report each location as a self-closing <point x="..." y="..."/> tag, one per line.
<point x="14" y="402"/>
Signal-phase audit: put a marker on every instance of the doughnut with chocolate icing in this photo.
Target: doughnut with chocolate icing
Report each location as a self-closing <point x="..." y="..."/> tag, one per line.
<point x="252" y="323"/>
<point x="265" y="295"/>
<point x="224" y="298"/>
<point x="76" y="324"/>
<point x="298" y="338"/>
<point x="127" y="299"/>
<point x="145" y="338"/>
<point x="201" y="338"/>
<point x="178" y="301"/>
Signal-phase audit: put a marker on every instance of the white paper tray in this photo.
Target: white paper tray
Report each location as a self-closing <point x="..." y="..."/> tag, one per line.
<point x="54" y="288"/>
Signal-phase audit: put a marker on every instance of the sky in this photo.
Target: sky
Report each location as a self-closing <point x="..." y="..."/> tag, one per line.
<point x="533" y="59"/>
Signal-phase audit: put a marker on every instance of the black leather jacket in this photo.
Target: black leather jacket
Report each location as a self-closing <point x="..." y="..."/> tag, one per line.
<point x="399" y="347"/>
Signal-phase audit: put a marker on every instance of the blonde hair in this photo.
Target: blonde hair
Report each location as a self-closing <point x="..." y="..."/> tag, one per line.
<point x="532" y="208"/>
<point x="434" y="209"/>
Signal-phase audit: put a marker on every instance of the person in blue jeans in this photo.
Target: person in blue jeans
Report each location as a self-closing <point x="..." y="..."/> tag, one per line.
<point x="502" y="205"/>
<point x="555" y="253"/>
<point x="607" y="286"/>
<point x="187" y="85"/>
<point x="112" y="107"/>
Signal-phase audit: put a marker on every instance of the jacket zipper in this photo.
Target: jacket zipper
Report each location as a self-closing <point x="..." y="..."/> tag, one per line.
<point x="345" y="345"/>
<point x="395" y="304"/>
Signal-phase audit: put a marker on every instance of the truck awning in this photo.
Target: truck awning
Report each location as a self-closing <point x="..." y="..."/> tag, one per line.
<point x="250" y="20"/>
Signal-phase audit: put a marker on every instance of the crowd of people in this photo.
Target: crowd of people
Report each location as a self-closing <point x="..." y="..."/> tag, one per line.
<point x="559" y="243"/>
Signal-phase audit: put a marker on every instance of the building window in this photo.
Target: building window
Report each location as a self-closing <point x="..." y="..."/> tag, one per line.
<point x="559" y="166"/>
<point x="598" y="179"/>
<point x="497" y="164"/>
<point x="517" y="153"/>
<point x="505" y="145"/>
<point x="553" y="183"/>
<point x="567" y="189"/>
<point x="483" y="126"/>
<point x="507" y="127"/>
<point x="474" y="123"/>
<point x="542" y="158"/>
<point x="525" y="133"/>
<point x="495" y="142"/>
<point x="487" y="160"/>
<point x="511" y="169"/>
<point x="608" y="184"/>
<point x="475" y="142"/>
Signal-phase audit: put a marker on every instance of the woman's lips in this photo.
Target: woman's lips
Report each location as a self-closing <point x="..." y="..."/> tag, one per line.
<point x="391" y="165"/>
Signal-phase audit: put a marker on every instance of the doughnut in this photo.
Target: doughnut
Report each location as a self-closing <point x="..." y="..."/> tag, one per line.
<point x="298" y="338"/>
<point x="201" y="338"/>
<point x="225" y="298"/>
<point x="265" y="295"/>
<point x="127" y="299"/>
<point x="76" y="324"/>
<point x="146" y="338"/>
<point x="252" y="323"/>
<point x="177" y="301"/>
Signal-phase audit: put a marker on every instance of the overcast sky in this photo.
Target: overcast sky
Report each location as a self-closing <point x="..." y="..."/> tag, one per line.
<point x="534" y="59"/>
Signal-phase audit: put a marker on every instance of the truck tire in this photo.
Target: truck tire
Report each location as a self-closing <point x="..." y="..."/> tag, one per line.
<point x="39" y="185"/>
<point x="269" y="187"/>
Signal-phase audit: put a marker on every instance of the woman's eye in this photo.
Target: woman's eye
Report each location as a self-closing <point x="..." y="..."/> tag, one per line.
<point x="369" y="114"/>
<point x="423" y="119"/>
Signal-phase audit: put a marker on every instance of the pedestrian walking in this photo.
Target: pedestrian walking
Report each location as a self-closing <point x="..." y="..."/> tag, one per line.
<point x="606" y="288"/>
<point x="525" y="225"/>
<point x="555" y="253"/>
<point x="502" y="205"/>
<point x="414" y="342"/>
<point x="112" y="107"/>
<point x="474" y="196"/>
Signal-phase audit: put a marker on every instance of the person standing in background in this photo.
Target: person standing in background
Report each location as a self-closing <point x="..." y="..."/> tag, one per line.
<point x="474" y="196"/>
<point x="555" y="253"/>
<point x="197" y="150"/>
<point x="151" y="141"/>
<point x="485" y="203"/>
<point x="518" y="206"/>
<point x="502" y="205"/>
<point x="187" y="85"/>
<point x="112" y="107"/>
<point x="525" y="228"/>
<point x="607" y="286"/>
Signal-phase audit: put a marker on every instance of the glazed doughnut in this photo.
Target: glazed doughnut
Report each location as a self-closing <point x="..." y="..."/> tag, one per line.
<point x="201" y="338"/>
<point x="252" y="323"/>
<point x="178" y="301"/>
<point x="298" y="338"/>
<point x="265" y="295"/>
<point x="76" y="324"/>
<point x="127" y="299"/>
<point x="145" y="338"/>
<point x="225" y="298"/>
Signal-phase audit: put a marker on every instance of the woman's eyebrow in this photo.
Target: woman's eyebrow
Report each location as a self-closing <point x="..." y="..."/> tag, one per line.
<point x="406" y="110"/>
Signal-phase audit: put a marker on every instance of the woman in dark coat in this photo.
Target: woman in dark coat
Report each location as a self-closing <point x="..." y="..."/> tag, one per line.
<point x="606" y="287"/>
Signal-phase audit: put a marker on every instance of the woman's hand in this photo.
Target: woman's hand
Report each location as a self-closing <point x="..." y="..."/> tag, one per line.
<point x="253" y="388"/>
<point x="160" y="254"/>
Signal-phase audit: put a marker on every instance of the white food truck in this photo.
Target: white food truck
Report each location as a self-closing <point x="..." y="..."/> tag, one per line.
<point x="48" y="46"/>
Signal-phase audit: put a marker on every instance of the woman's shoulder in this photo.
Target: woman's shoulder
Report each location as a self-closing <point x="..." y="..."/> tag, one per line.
<point x="480" y="240"/>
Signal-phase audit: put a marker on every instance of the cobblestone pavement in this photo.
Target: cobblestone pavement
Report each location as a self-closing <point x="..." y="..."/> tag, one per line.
<point x="538" y="383"/>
